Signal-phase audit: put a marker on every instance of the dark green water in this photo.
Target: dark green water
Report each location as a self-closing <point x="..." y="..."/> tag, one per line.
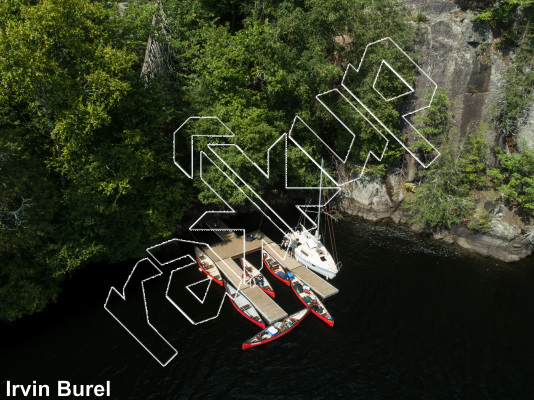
<point x="414" y="320"/>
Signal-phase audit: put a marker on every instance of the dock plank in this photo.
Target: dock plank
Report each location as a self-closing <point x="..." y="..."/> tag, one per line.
<point x="220" y="229"/>
<point x="235" y="246"/>
<point x="318" y="284"/>
<point x="228" y="267"/>
<point x="271" y="311"/>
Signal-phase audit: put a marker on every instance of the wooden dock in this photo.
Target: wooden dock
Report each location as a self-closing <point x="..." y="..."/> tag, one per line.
<point x="264" y="304"/>
<point x="271" y="311"/>
<point x="220" y="229"/>
<point x="318" y="284"/>
<point x="233" y="246"/>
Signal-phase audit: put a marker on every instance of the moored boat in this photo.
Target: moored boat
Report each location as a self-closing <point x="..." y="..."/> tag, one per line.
<point x="307" y="247"/>
<point x="207" y="265"/>
<point x="309" y="251"/>
<point x="275" y="268"/>
<point x="243" y="305"/>
<point x="305" y="293"/>
<point x="257" y="277"/>
<point x="276" y="330"/>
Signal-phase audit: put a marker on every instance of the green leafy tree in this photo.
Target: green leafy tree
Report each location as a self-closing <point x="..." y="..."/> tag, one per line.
<point x="474" y="161"/>
<point x="27" y="208"/>
<point x="87" y="141"/>
<point x="515" y="179"/>
<point x="506" y="12"/>
<point x="433" y="124"/>
<point x="444" y="198"/>
<point x="257" y="75"/>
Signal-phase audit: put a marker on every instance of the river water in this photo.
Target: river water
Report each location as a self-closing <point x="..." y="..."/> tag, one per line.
<point x="413" y="320"/>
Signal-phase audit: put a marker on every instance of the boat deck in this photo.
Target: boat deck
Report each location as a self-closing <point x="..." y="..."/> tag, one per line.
<point x="318" y="284"/>
<point x="271" y="311"/>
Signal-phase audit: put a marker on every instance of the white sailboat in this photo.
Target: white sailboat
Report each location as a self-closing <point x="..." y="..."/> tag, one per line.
<point x="309" y="250"/>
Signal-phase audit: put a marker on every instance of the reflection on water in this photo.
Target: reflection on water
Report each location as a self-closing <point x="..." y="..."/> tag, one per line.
<point x="414" y="320"/>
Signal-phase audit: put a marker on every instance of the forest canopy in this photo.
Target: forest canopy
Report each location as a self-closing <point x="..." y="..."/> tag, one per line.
<point x="86" y="140"/>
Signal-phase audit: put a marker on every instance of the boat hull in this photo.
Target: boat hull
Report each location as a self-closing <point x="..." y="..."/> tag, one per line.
<point x="218" y="282"/>
<point x="326" y="320"/>
<point x="274" y="273"/>
<point x="248" y="345"/>
<point x="258" y="323"/>
<point x="268" y="289"/>
<point x="269" y="292"/>
<point x="329" y="322"/>
<point x="320" y="271"/>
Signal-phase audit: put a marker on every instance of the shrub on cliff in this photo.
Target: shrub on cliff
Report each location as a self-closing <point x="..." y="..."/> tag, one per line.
<point x="443" y="197"/>
<point x="515" y="179"/>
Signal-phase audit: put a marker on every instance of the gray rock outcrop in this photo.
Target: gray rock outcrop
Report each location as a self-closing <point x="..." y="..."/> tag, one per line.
<point x="476" y="32"/>
<point x="367" y="198"/>
<point x="525" y="131"/>
<point x="504" y="230"/>
<point x="489" y="245"/>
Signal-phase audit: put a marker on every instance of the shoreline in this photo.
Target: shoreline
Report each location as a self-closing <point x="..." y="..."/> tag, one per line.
<point x="371" y="201"/>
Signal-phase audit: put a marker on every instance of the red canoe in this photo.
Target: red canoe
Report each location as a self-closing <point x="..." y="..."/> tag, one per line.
<point x="276" y="330"/>
<point x="309" y="298"/>
<point x="207" y="265"/>
<point x="256" y="277"/>
<point x="241" y="304"/>
<point x="276" y="269"/>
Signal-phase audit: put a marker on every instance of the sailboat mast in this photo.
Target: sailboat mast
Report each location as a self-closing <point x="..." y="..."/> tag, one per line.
<point x="320" y="194"/>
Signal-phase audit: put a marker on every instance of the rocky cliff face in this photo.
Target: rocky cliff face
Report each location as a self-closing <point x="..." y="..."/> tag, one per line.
<point x="456" y="53"/>
<point x="503" y="248"/>
<point x="460" y="55"/>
